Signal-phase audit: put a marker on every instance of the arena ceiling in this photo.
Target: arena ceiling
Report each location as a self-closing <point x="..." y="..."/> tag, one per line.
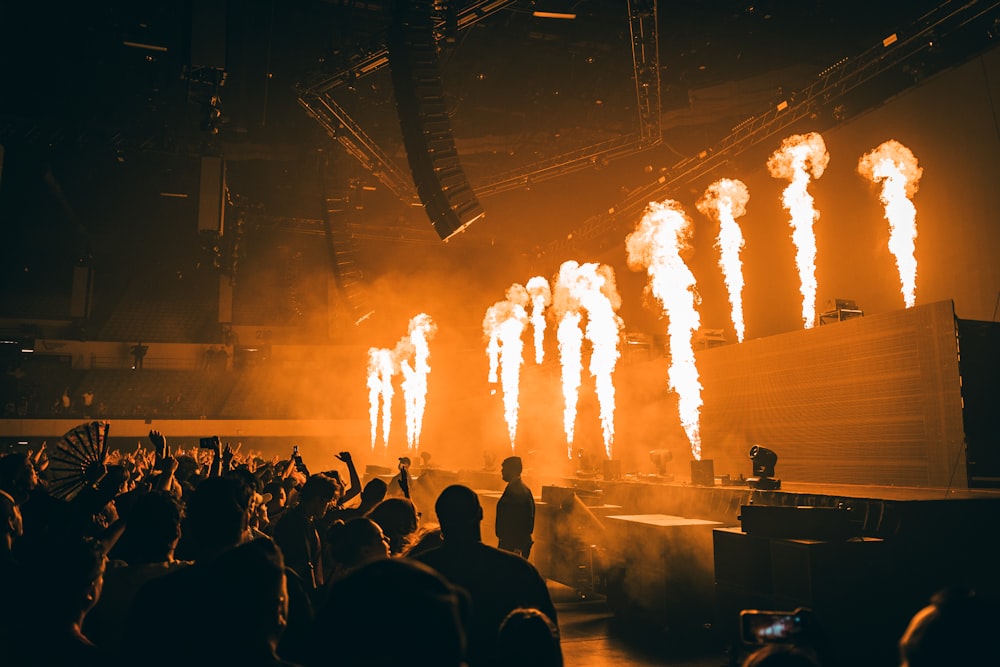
<point x="108" y="102"/>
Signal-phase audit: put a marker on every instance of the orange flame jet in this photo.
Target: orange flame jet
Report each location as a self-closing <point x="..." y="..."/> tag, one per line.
<point x="801" y="157"/>
<point x="660" y="238"/>
<point x="894" y="165"/>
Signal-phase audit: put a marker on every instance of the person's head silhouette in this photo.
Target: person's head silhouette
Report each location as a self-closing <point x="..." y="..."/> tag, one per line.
<point x="398" y="519"/>
<point x="956" y="628"/>
<point x="358" y="541"/>
<point x="511" y="468"/>
<point x="424" y="625"/>
<point x="459" y="513"/>
<point x="529" y="638"/>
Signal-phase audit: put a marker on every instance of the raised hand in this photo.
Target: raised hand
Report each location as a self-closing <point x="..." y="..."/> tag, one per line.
<point x="344" y="456"/>
<point x="227" y="456"/>
<point x="167" y="464"/>
<point x="41" y="459"/>
<point x="37" y="456"/>
<point x="404" y="480"/>
<point x="159" y="442"/>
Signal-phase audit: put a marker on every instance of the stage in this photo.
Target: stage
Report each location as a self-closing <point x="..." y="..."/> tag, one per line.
<point x="885" y="429"/>
<point x="672" y="554"/>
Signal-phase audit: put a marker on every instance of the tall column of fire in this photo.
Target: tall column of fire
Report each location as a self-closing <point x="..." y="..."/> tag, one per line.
<point x="724" y="201"/>
<point x="503" y="327"/>
<point x="801" y="157"/>
<point x="541" y="297"/>
<point x="380" y="391"/>
<point x="589" y="289"/>
<point x="657" y="245"/>
<point x="415" y="347"/>
<point x="894" y="165"/>
<point x="410" y="358"/>
<point x="569" y="334"/>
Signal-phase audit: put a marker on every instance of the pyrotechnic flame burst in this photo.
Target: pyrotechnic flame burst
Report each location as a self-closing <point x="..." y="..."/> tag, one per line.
<point x="800" y="157"/>
<point x="656" y="246"/>
<point x="570" y="337"/>
<point x="894" y="165"/>
<point x="410" y="358"/>
<point x="380" y="391"/>
<point x="588" y="289"/>
<point x="421" y="330"/>
<point x="503" y="326"/>
<point x="725" y="200"/>
<point x="541" y="298"/>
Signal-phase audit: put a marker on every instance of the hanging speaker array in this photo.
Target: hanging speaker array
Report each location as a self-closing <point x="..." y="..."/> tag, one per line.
<point x="437" y="172"/>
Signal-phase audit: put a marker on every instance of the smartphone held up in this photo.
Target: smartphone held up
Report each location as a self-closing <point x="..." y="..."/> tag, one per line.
<point x="768" y="627"/>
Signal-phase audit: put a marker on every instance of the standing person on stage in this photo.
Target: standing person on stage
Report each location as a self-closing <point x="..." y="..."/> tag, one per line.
<point x="138" y="354"/>
<point x="515" y="510"/>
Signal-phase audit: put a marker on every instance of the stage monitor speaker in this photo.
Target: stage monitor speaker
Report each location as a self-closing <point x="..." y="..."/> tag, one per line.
<point x="703" y="472"/>
<point x="831" y="524"/>
<point x="437" y="172"/>
<point x="211" y="199"/>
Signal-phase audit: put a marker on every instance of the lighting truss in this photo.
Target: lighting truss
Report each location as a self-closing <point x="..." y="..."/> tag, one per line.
<point x="318" y="102"/>
<point x="646" y="72"/>
<point x="951" y="19"/>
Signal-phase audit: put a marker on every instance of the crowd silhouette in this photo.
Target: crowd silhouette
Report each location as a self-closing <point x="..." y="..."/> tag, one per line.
<point x="211" y="556"/>
<point x="214" y="557"/>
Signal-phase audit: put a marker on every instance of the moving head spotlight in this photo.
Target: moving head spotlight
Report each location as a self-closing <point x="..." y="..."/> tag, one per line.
<point x="763" y="461"/>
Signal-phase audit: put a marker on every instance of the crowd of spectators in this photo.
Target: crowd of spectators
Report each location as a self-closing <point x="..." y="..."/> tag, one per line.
<point x="212" y="556"/>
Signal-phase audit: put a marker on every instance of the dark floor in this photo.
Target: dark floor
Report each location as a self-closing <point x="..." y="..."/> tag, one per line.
<point x="592" y="636"/>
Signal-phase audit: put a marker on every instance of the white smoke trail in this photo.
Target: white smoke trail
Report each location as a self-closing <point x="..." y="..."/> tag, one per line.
<point x="725" y="200"/>
<point x="802" y="156"/>
<point x="656" y="246"/>
<point x="541" y="298"/>
<point x="894" y="165"/>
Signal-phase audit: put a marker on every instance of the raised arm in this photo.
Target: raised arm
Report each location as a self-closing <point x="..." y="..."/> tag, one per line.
<point x="352" y="472"/>
<point x="216" y="469"/>
<point x="165" y="463"/>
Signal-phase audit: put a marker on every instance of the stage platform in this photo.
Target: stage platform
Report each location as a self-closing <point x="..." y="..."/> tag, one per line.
<point x="862" y="557"/>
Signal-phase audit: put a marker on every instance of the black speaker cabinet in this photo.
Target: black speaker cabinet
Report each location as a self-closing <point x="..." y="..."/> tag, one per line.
<point x="441" y="183"/>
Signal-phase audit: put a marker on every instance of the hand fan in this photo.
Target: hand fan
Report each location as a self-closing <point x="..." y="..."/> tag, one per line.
<point x="79" y="460"/>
